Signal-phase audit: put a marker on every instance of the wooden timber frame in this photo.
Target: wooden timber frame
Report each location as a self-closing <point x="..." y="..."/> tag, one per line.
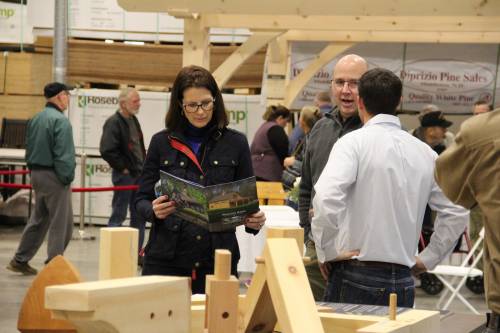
<point x="279" y="299"/>
<point x="335" y="21"/>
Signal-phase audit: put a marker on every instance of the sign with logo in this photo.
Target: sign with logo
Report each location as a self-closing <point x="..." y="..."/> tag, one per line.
<point x="97" y="204"/>
<point x="452" y="76"/>
<point x="13" y="23"/>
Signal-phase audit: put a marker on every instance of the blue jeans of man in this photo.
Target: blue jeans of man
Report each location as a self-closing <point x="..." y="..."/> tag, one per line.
<point x="123" y="200"/>
<point x="358" y="282"/>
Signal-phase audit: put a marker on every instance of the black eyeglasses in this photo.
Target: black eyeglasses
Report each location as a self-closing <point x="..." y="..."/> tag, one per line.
<point x="193" y="107"/>
<point x="351" y="84"/>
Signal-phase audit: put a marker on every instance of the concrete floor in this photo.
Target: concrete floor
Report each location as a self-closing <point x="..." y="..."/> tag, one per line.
<point x="84" y="255"/>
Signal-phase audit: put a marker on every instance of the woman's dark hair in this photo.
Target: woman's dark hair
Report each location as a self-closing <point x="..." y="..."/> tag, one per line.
<point x="274" y="111"/>
<point x="194" y="77"/>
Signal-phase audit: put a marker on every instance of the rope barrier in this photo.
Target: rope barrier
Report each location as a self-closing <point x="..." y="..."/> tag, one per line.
<point x="78" y="189"/>
<point x="11" y="185"/>
<point x="14" y="172"/>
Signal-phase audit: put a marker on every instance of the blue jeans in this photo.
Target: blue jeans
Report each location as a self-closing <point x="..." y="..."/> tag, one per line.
<point x="122" y="200"/>
<point x="355" y="282"/>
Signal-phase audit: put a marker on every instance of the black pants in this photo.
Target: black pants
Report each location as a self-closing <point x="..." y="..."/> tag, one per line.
<point x="197" y="278"/>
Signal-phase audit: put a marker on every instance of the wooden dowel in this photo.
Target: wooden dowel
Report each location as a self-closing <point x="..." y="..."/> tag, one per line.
<point x="393" y="303"/>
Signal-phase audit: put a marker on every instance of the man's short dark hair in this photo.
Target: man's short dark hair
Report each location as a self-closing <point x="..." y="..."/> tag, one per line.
<point x="484" y="102"/>
<point x="380" y="90"/>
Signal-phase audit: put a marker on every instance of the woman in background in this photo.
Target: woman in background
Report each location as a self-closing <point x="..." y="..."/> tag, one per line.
<point x="196" y="146"/>
<point x="309" y="115"/>
<point x="270" y="144"/>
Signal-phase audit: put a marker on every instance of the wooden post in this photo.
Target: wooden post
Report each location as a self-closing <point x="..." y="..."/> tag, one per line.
<point x="289" y="288"/>
<point x="393" y="304"/>
<point x="196" y="45"/>
<point x="222" y="291"/>
<point x="295" y="233"/>
<point x="118" y="253"/>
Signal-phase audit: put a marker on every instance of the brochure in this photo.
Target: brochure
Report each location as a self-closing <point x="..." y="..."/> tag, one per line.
<point x="217" y="208"/>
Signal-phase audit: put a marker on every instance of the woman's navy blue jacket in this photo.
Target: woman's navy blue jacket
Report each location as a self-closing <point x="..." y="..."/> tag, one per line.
<point x="224" y="157"/>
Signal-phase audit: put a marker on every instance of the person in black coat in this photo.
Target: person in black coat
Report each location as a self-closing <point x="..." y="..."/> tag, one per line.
<point x="197" y="146"/>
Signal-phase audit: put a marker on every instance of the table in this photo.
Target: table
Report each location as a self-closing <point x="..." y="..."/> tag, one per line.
<point x="10" y="156"/>
<point x="251" y="246"/>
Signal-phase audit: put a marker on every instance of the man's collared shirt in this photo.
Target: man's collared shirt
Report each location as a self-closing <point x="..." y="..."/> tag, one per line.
<point x="372" y="195"/>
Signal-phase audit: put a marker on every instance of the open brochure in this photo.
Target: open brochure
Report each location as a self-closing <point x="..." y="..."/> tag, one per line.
<point x="217" y="207"/>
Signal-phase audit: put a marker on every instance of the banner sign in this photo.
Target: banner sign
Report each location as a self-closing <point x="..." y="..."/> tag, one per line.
<point x="450" y="76"/>
<point x="13" y="23"/>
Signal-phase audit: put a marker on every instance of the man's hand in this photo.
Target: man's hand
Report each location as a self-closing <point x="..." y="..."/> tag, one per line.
<point x="125" y="171"/>
<point x="419" y="267"/>
<point x="347" y="255"/>
<point x="325" y="269"/>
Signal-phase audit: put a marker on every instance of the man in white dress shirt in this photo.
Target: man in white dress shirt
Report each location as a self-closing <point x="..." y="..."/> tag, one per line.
<point x="370" y="202"/>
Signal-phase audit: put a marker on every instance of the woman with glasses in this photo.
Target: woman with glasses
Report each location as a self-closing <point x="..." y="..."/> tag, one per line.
<point x="197" y="146"/>
<point x="270" y="144"/>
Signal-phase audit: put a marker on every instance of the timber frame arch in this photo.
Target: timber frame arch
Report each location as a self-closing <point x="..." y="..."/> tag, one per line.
<point x="340" y="24"/>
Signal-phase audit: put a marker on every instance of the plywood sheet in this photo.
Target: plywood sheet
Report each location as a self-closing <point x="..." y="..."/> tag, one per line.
<point x="27" y="73"/>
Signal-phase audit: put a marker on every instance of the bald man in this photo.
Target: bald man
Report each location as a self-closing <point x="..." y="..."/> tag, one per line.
<point x="370" y="201"/>
<point x="339" y="121"/>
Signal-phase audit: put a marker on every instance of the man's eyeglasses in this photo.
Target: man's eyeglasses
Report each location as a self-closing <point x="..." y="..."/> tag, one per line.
<point x="193" y="107"/>
<point x="351" y="84"/>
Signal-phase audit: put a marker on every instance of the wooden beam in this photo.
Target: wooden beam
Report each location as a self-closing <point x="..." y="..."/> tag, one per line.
<point x="222" y="296"/>
<point x="139" y="304"/>
<point x="196" y="46"/>
<point x="290" y="292"/>
<point x="294" y="233"/>
<point x="277" y="74"/>
<point x="253" y="44"/>
<point x="118" y="251"/>
<point x="323" y="58"/>
<point x="393" y="36"/>
<point x="319" y="7"/>
<point x="355" y="23"/>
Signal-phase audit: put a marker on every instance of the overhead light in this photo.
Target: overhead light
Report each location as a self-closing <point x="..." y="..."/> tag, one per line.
<point x="133" y="42"/>
<point x="109" y="41"/>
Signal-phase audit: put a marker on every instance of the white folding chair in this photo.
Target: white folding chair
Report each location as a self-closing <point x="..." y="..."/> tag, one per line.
<point x="459" y="274"/>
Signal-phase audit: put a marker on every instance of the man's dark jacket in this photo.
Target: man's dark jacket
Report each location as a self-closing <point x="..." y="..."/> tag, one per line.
<point x="319" y="144"/>
<point x="116" y="144"/>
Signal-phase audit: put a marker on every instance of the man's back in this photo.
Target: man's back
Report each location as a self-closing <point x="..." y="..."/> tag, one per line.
<point x="49" y="143"/>
<point x="387" y="178"/>
<point x="395" y="179"/>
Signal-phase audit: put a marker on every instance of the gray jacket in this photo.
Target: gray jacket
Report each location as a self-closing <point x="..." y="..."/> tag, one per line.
<point x="319" y="143"/>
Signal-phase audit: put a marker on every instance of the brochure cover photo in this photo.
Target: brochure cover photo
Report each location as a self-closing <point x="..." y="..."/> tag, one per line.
<point x="217" y="207"/>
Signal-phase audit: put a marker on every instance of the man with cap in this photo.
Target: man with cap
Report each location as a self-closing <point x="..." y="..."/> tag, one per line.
<point x="50" y="155"/>
<point x="432" y="130"/>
